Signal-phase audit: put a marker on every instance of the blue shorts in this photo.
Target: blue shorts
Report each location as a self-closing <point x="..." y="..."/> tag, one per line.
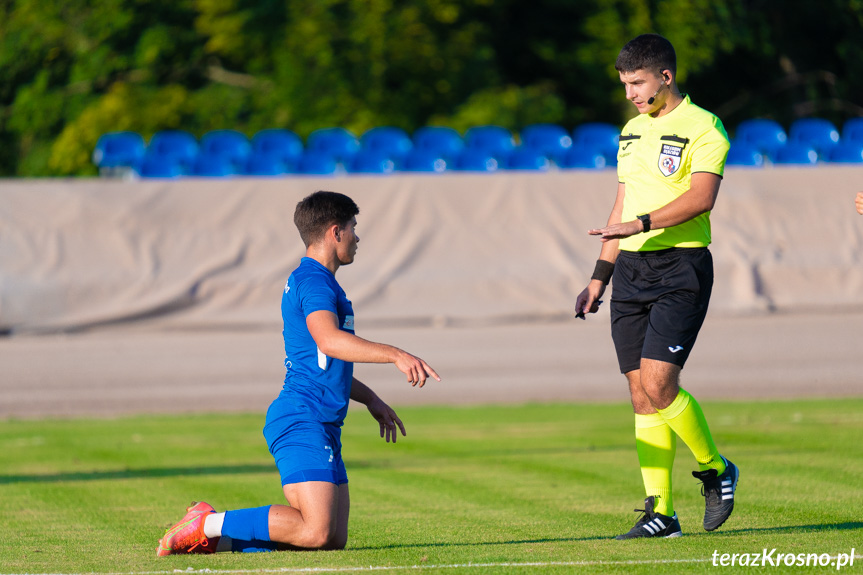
<point x="306" y="450"/>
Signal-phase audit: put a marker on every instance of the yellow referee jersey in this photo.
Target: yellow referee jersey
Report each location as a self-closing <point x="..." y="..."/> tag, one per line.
<point x="656" y="158"/>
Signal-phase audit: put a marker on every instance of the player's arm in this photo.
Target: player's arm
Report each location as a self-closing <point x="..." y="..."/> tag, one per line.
<point x="324" y="327"/>
<point x="382" y="412"/>
<point x="698" y="199"/>
<point x="588" y="299"/>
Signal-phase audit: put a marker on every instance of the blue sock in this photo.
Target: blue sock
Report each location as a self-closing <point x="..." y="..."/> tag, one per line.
<point x="238" y="546"/>
<point x="248" y="525"/>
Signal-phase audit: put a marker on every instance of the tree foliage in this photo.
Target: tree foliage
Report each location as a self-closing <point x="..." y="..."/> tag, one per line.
<point x="71" y="70"/>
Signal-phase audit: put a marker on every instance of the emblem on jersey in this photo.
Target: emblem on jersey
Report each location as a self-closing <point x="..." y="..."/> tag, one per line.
<point x="669" y="159"/>
<point x="349" y="322"/>
<point x="671" y="154"/>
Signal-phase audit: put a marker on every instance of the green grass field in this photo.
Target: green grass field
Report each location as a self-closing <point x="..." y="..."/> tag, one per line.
<point x="502" y="489"/>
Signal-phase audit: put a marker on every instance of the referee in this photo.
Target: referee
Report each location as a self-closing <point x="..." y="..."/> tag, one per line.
<point x="671" y="158"/>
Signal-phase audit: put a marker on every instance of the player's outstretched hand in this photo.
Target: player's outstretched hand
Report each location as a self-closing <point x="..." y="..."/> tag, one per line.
<point x="858" y="201"/>
<point x="387" y="418"/>
<point x="416" y="370"/>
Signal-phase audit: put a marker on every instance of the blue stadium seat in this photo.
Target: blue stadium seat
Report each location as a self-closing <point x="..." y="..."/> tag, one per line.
<point x="852" y="130"/>
<point x="847" y="153"/>
<point x="818" y="133"/>
<point x="265" y="164"/>
<point x="214" y="166"/>
<point x="766" y="135"/>
<point x="372" y="162"/>
<point x="440" y="140"/>
<point x="527" y="159"/>
<point x="313" y="162"/>
<point x="424" y="161"/>
<point x="496" y="140"/>
<point x="585" y="157"/>
<point x="283" y="144"/>
<point x="598" y="135"/>
<point x="118" y="150"/>
<point x="744" y="154"/>
<point x="338" y="143"/>
<point x="156" y="166"/>
<point x="796" y="153"/>
<point x="475" y="161"/>
<point x="549" y="139"/>
<point x="174" y="145"/>
<point x="392" y="141"/>
<point x="227" y="144"/>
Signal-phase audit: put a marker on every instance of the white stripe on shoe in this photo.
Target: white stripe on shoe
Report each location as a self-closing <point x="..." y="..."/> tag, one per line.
<point x="655" y="526"/>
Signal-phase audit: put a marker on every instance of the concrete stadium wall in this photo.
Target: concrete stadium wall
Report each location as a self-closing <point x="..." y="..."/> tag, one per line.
<point x="435" y="250"/>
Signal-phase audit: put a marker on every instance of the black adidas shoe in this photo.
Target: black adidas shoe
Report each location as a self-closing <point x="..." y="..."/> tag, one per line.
<point x="652" y="524"/>
<point x="718" y="491"/>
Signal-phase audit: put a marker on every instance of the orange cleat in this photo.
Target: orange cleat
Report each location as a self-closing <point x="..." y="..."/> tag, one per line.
<point x="187" y="536"/>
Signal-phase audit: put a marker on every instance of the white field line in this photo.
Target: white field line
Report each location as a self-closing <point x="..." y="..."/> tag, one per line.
<point x="372" y="568"/>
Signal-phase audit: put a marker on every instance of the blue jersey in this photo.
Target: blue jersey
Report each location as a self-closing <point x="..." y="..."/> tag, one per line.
<point x="317" y="387"/>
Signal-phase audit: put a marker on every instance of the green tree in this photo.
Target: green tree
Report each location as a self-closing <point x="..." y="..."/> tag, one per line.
<point x="71" y="70"/>
<point x="59" y="58"/>
<point x="789" y="60"/>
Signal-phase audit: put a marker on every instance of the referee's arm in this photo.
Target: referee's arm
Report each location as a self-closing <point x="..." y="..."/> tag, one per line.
<point x="698" y="199"/>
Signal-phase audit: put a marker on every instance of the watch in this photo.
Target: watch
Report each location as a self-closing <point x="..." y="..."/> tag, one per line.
<point x="645" y="221"/>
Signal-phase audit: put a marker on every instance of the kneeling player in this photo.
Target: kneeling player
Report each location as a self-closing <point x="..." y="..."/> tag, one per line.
<point x="303" y="424"/>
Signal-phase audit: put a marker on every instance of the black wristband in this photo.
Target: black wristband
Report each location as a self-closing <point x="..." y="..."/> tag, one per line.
<point x="603" y="271"/>
<point x="645" y="221"/>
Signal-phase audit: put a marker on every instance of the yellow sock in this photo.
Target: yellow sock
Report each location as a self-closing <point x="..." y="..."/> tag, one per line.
<point x="656" y="445"/>
<point x="685" y="417"/>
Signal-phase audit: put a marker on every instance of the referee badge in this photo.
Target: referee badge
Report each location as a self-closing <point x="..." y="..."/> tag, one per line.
<point x="670" y="155"/>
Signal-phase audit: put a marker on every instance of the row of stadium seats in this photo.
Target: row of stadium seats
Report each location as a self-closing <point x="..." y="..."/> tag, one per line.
<point x="809" y="141"/>
<point x="382" y="150"/>
<point x="273" y="152"/>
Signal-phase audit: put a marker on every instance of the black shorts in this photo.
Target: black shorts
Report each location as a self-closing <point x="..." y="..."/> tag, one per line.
<point x="658" y="304"/>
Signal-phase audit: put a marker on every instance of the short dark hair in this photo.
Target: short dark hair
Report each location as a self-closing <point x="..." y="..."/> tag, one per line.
<point x="318" y="211"/>
<point x="649" y="52"/>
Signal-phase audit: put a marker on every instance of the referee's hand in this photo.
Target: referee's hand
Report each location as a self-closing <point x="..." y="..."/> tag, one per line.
<point x="618" y="231"/>
<point x="588" y="300"/>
